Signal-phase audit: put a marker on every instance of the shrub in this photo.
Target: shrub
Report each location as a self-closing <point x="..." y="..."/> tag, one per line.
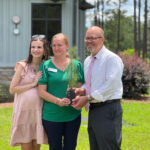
<point x="136" y="76"/>
<point x="129" y="52"/>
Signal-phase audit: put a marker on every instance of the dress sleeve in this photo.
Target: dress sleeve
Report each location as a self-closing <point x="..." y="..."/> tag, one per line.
<point x="43" y="79"/>
<point x="24" y="65"/>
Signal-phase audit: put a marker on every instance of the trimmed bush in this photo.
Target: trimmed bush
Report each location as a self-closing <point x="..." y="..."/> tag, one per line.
<point x="136" y="76"/>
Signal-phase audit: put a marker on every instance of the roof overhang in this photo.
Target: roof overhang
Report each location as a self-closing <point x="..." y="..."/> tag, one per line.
<point x="83" y="5"/>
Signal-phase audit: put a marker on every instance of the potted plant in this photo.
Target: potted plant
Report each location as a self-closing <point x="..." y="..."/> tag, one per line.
<point x="72" y="75"/>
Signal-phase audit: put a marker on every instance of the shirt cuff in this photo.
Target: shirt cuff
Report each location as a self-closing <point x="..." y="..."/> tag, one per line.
<point x="83" y="86"/>
<point x="97" y="97"/>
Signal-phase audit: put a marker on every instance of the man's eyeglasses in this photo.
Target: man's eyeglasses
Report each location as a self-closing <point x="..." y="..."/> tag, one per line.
<point x="91" y="38"/>
<point x="40" y="36"/>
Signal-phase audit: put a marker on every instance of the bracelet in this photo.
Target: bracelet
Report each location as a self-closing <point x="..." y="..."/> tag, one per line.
<point x="56" y="101"/>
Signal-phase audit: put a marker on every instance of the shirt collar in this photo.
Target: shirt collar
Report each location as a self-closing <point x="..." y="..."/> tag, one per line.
<point x="100" y="53"/>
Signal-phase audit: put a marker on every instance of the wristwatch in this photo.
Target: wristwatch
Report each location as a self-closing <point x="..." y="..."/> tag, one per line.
<point x="90" y="98"/>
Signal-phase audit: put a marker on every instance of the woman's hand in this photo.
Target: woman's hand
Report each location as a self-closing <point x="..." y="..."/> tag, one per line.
<point x="37" y="77"/>
<point x="63" y="102"/>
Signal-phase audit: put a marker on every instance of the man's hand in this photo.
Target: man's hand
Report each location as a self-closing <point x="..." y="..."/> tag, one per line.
<point x="80" y="91"/>
<point x="79" y="101"/>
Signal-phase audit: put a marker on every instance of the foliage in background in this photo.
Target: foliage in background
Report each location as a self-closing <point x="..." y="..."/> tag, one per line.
<point x="129" y="52"/>
<point x="126" y="32"/>
<point x="122" y="30"/>
<point x="87" y="53"/>
<point x="136" y="76"/>
<point x="73" y="53"/>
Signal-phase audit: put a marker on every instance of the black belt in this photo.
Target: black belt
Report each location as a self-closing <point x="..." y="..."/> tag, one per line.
<point x="94" y="105"/>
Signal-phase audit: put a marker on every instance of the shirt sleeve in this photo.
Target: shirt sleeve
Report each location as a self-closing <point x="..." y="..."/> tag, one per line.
<point x="114" y="70"/>
<point x="43" y="79"/>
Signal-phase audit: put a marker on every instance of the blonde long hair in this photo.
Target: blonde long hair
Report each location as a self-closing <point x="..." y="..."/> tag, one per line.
<point x="64" y="37"/>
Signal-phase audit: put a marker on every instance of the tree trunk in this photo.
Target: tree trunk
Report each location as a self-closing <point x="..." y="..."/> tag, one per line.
<point x="145" y="31"/>
<point x="95" y="12"/>
<point x="135" y="27"/>
<point x="139" y="28"/>
<point x="98" y="13"/>
<point x="102" y="2"/>
<point x="118" y="40"/>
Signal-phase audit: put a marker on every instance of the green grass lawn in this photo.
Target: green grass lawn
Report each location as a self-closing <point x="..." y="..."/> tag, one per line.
<point x="136" y="128"/>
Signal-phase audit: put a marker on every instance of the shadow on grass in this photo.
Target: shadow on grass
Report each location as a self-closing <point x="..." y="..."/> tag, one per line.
<point x="126" y="124"/>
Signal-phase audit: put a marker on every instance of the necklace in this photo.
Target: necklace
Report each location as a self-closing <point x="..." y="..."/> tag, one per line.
<point x="61" y="65"/>
<point x="34" y="68"/>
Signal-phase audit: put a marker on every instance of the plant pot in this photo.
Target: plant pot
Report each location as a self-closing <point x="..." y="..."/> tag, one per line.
<point x="71" y="95"/>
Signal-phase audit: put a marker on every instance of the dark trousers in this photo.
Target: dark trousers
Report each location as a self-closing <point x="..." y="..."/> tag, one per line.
<point x="62" y="135"/>
<point x="105" y="126"/>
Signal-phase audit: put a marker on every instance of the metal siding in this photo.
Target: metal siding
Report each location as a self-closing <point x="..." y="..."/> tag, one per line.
<point x="1" y="33"/>
<point x="6" y="30"/>
<point x="21" y="41"/>
<point x="15" y="47"/>
<point x="67" y="19"/>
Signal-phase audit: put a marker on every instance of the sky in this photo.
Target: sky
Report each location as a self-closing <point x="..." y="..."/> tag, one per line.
<point x="128" y="6"/>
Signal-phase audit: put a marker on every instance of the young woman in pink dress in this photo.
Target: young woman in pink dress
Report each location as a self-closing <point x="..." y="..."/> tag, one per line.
<point x="27" y="129"/>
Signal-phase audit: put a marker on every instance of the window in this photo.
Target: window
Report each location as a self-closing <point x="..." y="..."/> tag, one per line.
<point x="46" y="19"/>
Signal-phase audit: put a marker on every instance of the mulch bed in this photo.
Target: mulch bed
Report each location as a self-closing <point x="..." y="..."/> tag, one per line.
<point x="142" y="99"/>
<point x="6" y="105"/>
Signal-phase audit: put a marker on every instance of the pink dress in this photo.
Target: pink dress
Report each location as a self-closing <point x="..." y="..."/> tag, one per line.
<point x="27" y="110"/>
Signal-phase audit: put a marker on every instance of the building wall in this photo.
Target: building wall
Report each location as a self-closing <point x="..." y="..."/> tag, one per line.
<point x="15" y="47"/>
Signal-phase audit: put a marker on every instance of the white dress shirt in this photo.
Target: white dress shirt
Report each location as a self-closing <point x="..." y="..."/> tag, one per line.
<point x="106" y="83"/>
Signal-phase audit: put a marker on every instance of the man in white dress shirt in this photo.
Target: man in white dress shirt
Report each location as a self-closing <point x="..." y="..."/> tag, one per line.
<point x="105" y="112"/>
